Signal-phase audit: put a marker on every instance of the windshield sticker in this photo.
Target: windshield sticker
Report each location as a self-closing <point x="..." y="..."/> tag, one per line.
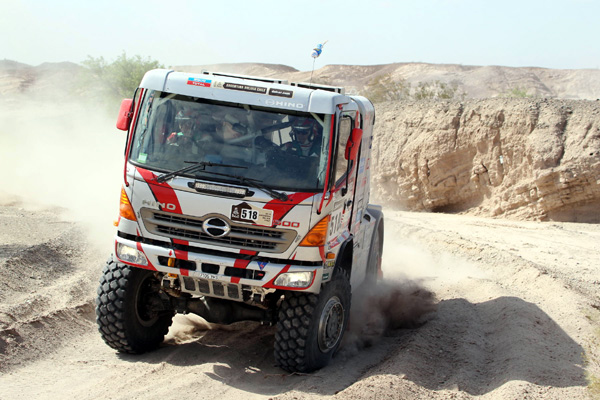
<point x="281" y="93"/>
<point x="253" y="89"/>
<point x="245" y="212"/>
<point x="240" y="87"/>
<point x="199" y="82"/>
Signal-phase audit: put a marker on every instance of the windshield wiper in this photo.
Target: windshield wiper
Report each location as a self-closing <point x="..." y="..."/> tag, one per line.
<point x="253" y="183"/>
<point x="192" y="168"/>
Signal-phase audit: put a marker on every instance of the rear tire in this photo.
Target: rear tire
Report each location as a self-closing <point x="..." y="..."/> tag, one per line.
<point x="126" y="309"/>
<point x="310" y="327"/>
<point x="374" y="263"/>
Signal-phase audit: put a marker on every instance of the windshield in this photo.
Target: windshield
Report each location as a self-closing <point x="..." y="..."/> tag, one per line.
<point x="285" y="150"/>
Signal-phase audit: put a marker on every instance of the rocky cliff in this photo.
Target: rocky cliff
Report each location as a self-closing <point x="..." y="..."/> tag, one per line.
<point x="527" y="159"/>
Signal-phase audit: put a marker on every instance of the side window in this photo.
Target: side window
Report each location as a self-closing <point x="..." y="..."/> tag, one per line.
<point x="341" y="164"/>
<point x="142" y="124"/>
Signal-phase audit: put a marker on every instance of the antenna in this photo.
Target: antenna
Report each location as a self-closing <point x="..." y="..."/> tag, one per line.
<point x="316" y="53"/>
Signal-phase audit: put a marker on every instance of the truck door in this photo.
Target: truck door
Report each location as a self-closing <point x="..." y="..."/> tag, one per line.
<point x="344" y="178"/>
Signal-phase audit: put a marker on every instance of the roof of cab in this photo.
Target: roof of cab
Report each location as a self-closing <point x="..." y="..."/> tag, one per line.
<point x="244" y="90"/>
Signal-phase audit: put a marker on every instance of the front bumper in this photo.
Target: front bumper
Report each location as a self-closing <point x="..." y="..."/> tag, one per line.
<point x="230" y="272"/>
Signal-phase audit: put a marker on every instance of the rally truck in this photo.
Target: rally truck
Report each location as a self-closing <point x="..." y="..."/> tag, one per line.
<point x="243" y="198"/>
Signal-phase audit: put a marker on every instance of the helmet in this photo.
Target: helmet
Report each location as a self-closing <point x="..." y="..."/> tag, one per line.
<point x="304" y="126"/>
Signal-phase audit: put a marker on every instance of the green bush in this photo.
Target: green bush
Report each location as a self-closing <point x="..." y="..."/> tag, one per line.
<point x="118" y="79"/>
<point x="384" y="88"/>
<point x="438" y="90"/>
<point x="517" y="92"/>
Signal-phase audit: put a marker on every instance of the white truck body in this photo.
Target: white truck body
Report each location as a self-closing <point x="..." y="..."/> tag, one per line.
<point x="232" y="209"/>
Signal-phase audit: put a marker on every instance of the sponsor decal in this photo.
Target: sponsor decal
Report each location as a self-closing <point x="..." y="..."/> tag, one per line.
<point x="245" y="212"/>
<point x="242" y="87"/>
<point x="281" y="93"/>
<point x="361" y="169"/>
<point x="262" y="264"/>
<point x="199" y="82"/>
<point x="333" y="243"/>
<point x="364" y="182"/>
<point x="253" y="89"/>
<point x="326" y="276"/>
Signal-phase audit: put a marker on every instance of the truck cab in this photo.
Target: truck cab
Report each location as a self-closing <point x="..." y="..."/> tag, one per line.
<point x="243" y="198"/>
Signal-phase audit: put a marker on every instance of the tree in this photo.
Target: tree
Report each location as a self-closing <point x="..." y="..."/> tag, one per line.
<point x="120" y="78"/>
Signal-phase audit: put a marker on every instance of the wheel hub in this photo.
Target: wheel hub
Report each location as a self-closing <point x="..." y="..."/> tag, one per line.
<point x="144" y="313"/>
<point x="330" y="324"/>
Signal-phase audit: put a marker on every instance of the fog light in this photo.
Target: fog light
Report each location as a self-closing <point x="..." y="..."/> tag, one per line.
<point x="294" y="279"/>
<point x="131" y="255"/>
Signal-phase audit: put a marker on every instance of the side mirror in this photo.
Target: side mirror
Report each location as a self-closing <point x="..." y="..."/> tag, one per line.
<point x="353" y="144"/>
<point x="125" y="114"/>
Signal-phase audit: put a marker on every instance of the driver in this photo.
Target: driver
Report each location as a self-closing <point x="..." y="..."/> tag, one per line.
<point x="184" y="136"/>
<point x="305" y="135"/>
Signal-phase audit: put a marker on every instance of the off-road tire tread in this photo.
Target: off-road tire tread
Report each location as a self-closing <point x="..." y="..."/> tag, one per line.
<point x="111" y="301"/>
<point x="294" y="327"/>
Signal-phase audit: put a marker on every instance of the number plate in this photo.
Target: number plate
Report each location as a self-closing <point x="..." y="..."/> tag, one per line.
<point x="245" y="212"/>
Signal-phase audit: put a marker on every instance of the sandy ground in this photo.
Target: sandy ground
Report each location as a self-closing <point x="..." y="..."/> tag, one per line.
<point x="517" y="316"/>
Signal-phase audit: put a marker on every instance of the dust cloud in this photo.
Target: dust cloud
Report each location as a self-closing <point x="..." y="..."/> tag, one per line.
<point x="186" y="328"/>
<point x="404" y="299"/>
<point x="64" y="155"/>
<point x="384" y="307"/>
<point x="408" y="259"/>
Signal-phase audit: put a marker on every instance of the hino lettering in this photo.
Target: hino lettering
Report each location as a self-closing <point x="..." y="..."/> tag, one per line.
<point x="168" y="206"/>
<point x="280" y="103"/>
<point x="238" y="207"/>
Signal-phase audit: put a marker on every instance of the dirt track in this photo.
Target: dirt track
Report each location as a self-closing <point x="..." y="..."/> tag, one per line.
<point x="517" y="317"/>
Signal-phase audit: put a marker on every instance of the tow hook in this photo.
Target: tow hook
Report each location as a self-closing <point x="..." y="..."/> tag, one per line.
<point x="171" y="285"/>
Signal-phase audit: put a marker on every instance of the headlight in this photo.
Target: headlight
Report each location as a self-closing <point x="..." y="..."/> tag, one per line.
<point x="129" y="254"/>
<point x="294" y="279"/>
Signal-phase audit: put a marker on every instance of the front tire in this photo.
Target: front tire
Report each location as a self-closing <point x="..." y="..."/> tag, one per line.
<point x="129" y="310"/>
<point x="310" y="327"/>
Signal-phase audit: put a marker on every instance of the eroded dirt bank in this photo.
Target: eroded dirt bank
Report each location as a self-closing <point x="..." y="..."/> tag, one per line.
<point x="534" y="159"/>
<point x="516" y="317"/>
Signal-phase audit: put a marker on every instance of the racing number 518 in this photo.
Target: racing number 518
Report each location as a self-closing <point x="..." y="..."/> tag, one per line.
<point x="250" y="214"/>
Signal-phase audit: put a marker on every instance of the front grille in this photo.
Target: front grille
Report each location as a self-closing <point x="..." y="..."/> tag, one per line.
<point x="217" y="253"/>
<point x="218" y="289"/>
<point x="212" y="288"/>
<point x="182" y="264"/>
<point x="241" y="236"/>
